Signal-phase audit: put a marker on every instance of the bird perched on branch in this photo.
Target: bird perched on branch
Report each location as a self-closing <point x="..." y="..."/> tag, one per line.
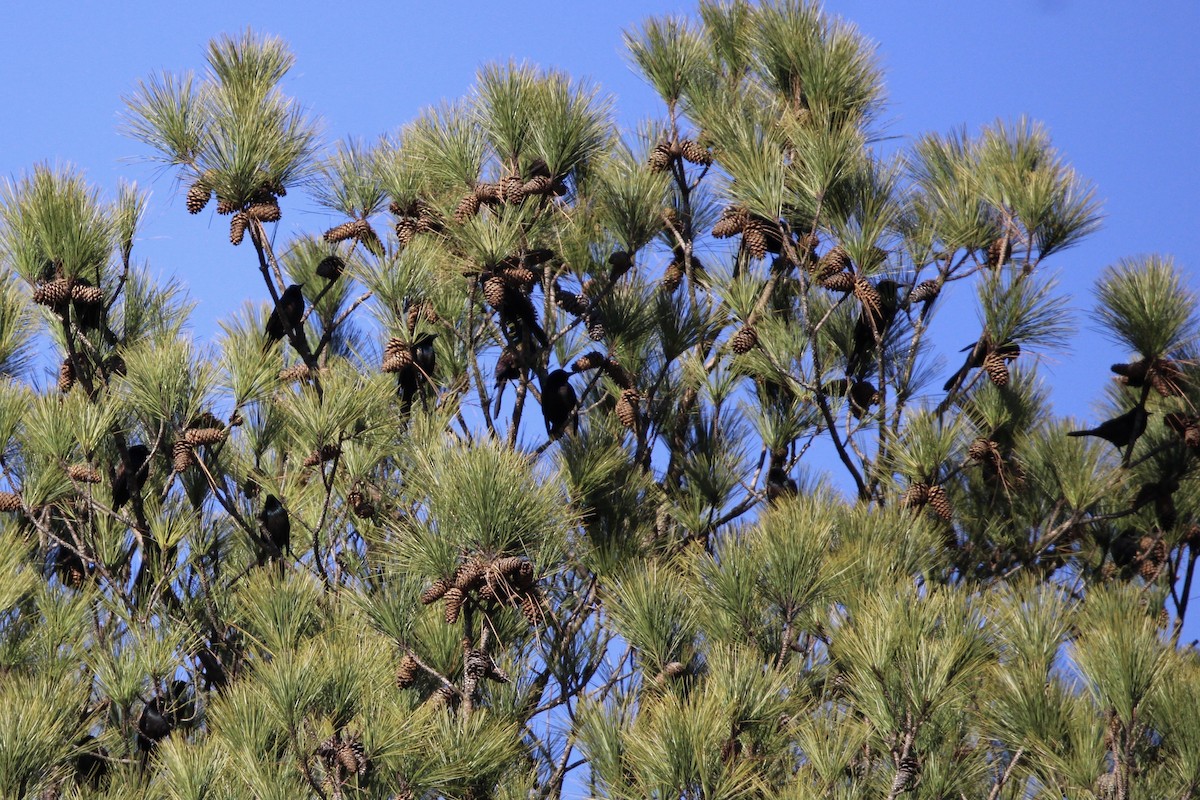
<point x="419" y="372"/>
<point x="131" y="475"/>
<point x="287" y="313"/>
<point x="276" y="524"/>
<point x="1122" y="431"/>
<point x="559" y="402"/>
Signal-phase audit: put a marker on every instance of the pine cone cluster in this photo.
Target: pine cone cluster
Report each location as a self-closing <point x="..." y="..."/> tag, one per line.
<point x="359" y="504"/>
<point x="834" y="261"/>
<point x="511" y="189"/>
<point x="420" y="311"/>
<point x="413" y="218"/>
<point x="357" y="229"/>
<point x="342" y="756"/>
<point x="984" y="451"/>
<point x="478" y="665"/>
<point x="920" y="495"/>
<point x="507" y="580"/>
<point x="667" y="151"/>
<point x="1152" y="555"/>
<point x="759" y="234"/>
<point x="321" y="455"/>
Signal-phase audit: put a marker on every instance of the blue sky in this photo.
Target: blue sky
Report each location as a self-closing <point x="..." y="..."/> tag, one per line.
<point x="1119" y="92"/>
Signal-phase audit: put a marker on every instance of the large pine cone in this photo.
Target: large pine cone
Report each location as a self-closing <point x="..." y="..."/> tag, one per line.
<point x="869" y="296"/>
<point x="836" y="260"/>
<point x="470" y="575"/>
<point x="296" y="372"/>
<point x="923" y="292"/>
<point x="396" y="355"/>
<point x="660" y="157"/>
<point x="627" y="408"/>
<point x="52" y="293"/>
<point x="435" y="592"/>
<point x="916" y="496"/>
<point x="939" y="502"/>
<point x="996" y="368"/>
<point x="839" y="282"/>
<point x="695" y="153"/>
<point x="672" y="276"/>
<point x="10" y="501"/>
<point x="454" y="602"/>
<point x="340" y="233"/>
<point x="204" y="436"/>
<point x="744" y="340"/>
<point x="83" y="473"/>
<point x="265" y="211"/>
<point x="237" y="228"/>
<point x="84" y="295"/>
<point x="198" y="195"/>
<point x="732" y="222"/>
<point x="182" y="455"/>
<point x="494" y="290"/>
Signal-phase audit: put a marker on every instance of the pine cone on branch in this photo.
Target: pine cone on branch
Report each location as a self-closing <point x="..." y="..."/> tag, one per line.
<point x="745" y="340"/>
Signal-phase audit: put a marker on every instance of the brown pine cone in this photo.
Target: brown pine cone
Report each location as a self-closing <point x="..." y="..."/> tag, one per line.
<point x="467" y="208"/>
<point x="744" y="340"/>
<point x="52" y="293"/>
<point x="204" y="436"/>
<point x="83" y="473"/>
<point x="916" y="496"/>
<point x="10" y="501"/>
<point x="182" y="455"/>
<point x="695" y="153"/>
<point x="732" y="222"/>
<point x="435" y="592"/>
<point x="595" y="327"/>
<point x="868" y="295"/>
<point x="589" y="361"/>
<point x="996" y="368"/>
<point x="66" y="376"/>
<point x="627" y="408"/>
<point x="923" y="292"/>
<point x="237" y="228"/>
<point x="494" y="289"/>
<point x="82" y="294"/>
<point x="1167" y="378"/>
<point x="836" y="260"/>
<point x="225" y="206"/>
<point x="519" y="278"/>
<point x="454" y="602"/>
<point x="406" y="230"/>
<point x="296" y="372"/>
<point x="340" y="233"/>
<point x="570" y="302"/>
<point x="531" y="608"/>
<point x="999" y="252"/>
<point x="265" y="211"/>
<point x="755" y="241"/>
<point x="198" y="195"/>
<point x="512" y="189"/>
<point x="660" y="157"/>
<point x="939" y="502"/>
<point x="672" y="276"/>
<point x="539" y="185"/>
<point x="839" y="282"/>
<point x="470" y="575"/>
<point x="326" y="453"/>
<point x="406" y="672"/>
<point x="396" y="355"/>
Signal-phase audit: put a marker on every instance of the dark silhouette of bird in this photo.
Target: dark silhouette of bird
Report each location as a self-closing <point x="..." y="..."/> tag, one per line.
<point x="419" y="373"/>
<point x="978" y="351"/>
<point x="154" y="724"/>
<point x="517" y="312"/>
<point x="91" y="763"/>
<point x="559" y="402"/>
<point x="276" y="524"/>
<point x="131" y="475"/>
<point x="871" y="328"/>
<point x="287" y="313"/>
<point x="1121" y="431"/>
<point x="780" y="485"/>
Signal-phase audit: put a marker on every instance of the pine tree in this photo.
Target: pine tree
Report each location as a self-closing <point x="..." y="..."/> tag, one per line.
<point x="648" y="594"/>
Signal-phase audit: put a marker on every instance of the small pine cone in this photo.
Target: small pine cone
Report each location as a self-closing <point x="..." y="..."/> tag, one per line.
<point x="406" y="230"/>
<point x="352" y="757"/>
<point x="226" y="207"/>
<point x="570" y="302"/>
<point x="331" y="267"/>
<point x="807" y="244"/>
<point x="360" y="506"/>
<point x="83" y="473"/>
<point x="520" y="278"/>
<point x="198" y="195"/>
<point x="296" y="372"/>
<point x="182" y="455"/>
<point x="467" y="208"/>
<point x="908" y="773"/>
<point x="660" y="157"/>
<point x="755" y="242"/>
<point x="470" y="575"/>
<point x="509" y="566"/>
<point x="265" y="211"/>
<point x="627" y="408"/>
<point x="672" y="276"/>
<point x="537" y="185"/>
<point x="406" y="672"/>
<point x="435" y="591"/>
<point x="836" y="260"/>
<point x="744" y="340"/>
<point x="82" y="294"/>
<point x="595" y="327"/>
<point x="237" y="228"/>
<point x="923" y="292"/>
<point x="670" y="671"/>
<point x="589" y="361"/>
<point x="494" y="290"/>
<point x="475" y="663"/>
<point x="999" y="252"/>
<point x="869" y="296"/>
<point x="940" y="503"/>
<point x="916" y="496"/>
<point x="325" y="453"/>
<point x="839" y="282"/>
<point x="454" y="602"/>
<point x="695" y="153"/>
<point x="204" y="436"/>
<point x="10" y="501"/>
<point x="340" y="233"/>
<point x="489" y="193"/>
<point x="512" y="189"/>
<point x="52" y="293"/>
<point x="66" y="376"/>
<point x="732" y="222"/>
<point x="983" y="450"/>
<point x="996" y="368"/>
<point x="531" y="608"/>
<point x="1167" y="379"/>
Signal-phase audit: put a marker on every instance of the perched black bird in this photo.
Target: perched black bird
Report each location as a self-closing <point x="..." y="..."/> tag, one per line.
<point x="780" y="485"/>
<point x="517" y="311"/>
<point x="419" y="373"/>
<point x="330" y="267"/>
<point x="91" y="763"/>
<point x="287" y="313"/>
<point x="276" y="524"/>
<point x="131" y="475"/>
<point x="559" y="402"/>
<point x="1121" y="431"/>
<point x="154" y="724"/>
<point x="978" y="351"/>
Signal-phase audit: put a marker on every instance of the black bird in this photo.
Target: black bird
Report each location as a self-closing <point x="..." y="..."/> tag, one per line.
<point x="419" y="373"/>
<point x="978" y="351"/>
<point x="1121" y="431"/>
<point x="559" y="402"/>
<point x="518" y="312"/>
<point x="91" y="763"/>
<point x="276" y="524"/>
<point x="154" y="724"/>
<point x="780" y="485"/>
<point x="131" y="475"/>
<point x="287" y="313"/>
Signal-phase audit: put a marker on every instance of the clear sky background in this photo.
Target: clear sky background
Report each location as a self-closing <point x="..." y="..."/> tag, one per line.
<point x="1118" y="90"/>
